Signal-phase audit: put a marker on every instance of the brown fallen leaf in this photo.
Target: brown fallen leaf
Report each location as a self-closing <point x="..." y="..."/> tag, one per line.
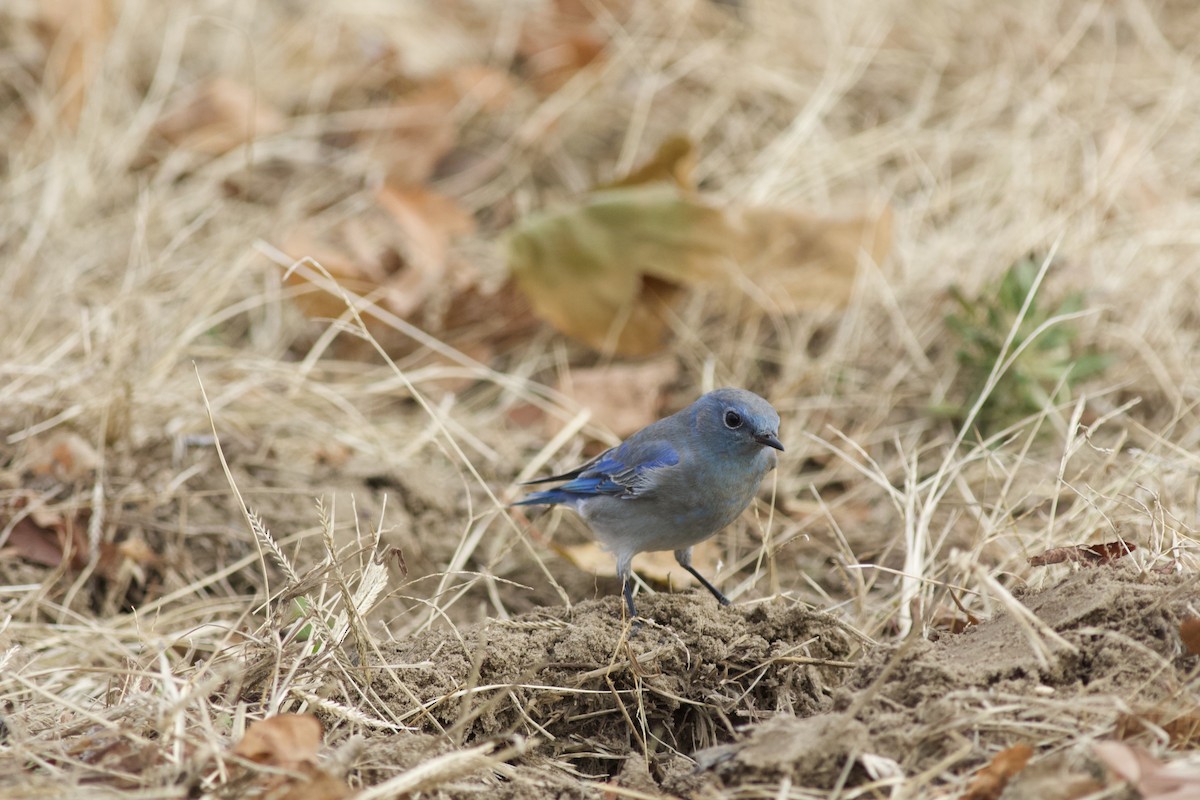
<point x="1189" y="632"/>
<point x="1087" y="554"/>
<point x="622" y="397"/>
<point x="800" y="262"/>
<point x="1153" y="779"/>
<point x="396" y="253"/>
<point x="65" y="456"/>
<point x="115" y="756"/>
<point x="218" y="115"/>
<point x="1058" y="775"/>
<point x="47" y="538"/>
<point x="129" y="556"/>
<point x="286" y="740"/>
<point x="316" y="785"/>
<point x="562" y="38"/>
<point x="426" y="222"/>
<point x="525" y="415"/>
<point x="989" y="782"/>
<point x="290" y="741"/>
<point x="394" y="556"/>
<point x="75" y="34"/>
<point x="31" y="542"/>
<point x="945" y="620"/>
<point x="411" y="135"/>
<point x="399" y="254"/>
<point x="1181" y="726"/>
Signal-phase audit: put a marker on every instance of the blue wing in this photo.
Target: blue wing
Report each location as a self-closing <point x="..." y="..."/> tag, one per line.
<point x="627" y="471"/>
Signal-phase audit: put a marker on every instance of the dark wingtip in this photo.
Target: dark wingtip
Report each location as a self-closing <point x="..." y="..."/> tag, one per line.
<point x="548" y="498"/>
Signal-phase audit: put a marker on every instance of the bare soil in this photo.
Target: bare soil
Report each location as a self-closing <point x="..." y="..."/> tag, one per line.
<point x="703" y="700"/>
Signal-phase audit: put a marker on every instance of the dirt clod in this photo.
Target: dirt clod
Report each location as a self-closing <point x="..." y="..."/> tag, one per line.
<point x="577" y="680"/>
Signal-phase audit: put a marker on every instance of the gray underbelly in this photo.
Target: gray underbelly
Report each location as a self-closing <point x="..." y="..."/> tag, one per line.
<point x="635" y="527"/>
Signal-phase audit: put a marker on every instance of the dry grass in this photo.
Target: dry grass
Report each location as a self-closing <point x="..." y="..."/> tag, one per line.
<point x="146" y="311"/>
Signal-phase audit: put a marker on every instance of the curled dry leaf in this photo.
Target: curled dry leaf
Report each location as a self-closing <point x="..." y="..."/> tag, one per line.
<point x="1088" y="554"/>
<point x="130" y="556"/>
<point x="1189" y="632"/>
<point x="1154" y="779"/>
<point x="563" y="37"/>
<point x="217" y="116"/>
<point x="115" y="755"/>
<point x="607" y="270"/>
<point x="283" y="741"/>
<point x="65" y="456"/>
<point x="622" y="397"/>
<point x="290" y="741"/>
<point x="395" y="557"/>
<point x="75" y="34"/>
<point x="33" y="543"/>
<point x="397" y="254"/>
<point x="800" y="262"/>
<point x="426" y="222"/>
<point x="989" y="782"/>
<point x="411" y="135"/>
<point x="1182" y="727"/>
<point x="49" y="538"/>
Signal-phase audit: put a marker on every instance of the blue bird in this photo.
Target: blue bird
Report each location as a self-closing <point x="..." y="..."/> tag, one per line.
<point x="674" y="483"/>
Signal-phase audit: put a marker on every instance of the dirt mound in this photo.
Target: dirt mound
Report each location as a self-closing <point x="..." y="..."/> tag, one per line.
<point x="593" y="695"/>
<point x="703" y="699"/>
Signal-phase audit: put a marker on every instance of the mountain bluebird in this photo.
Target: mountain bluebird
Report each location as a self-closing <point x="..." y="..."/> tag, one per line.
<point x="675" y="482"/>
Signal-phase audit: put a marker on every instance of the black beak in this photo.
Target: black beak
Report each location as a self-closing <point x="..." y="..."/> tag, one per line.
<point x="769" y="440"/>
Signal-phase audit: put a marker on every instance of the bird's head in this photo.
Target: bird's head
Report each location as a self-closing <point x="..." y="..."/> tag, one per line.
<point x="739" y="419"/>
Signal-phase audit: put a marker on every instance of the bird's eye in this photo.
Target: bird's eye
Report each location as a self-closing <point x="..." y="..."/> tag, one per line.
<point x="733" y="419"/>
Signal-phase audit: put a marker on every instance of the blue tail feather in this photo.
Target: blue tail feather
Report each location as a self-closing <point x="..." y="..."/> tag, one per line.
<point x="548" y="498"/>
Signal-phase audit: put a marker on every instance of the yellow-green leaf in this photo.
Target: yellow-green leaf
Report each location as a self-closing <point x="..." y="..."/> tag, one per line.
<point x="606" y="270"/>
<point x="584" y="269"/>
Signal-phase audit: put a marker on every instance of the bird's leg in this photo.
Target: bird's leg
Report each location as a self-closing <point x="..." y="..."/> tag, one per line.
<point x="627" y="591"/>
<point x="625" y="573"/>
<point x="684" y="557"/>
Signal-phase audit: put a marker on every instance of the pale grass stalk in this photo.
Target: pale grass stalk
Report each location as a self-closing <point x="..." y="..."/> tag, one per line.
<point x="261" y="537"/>
<point x="438" y="419"/>
<point x="445" y="768"/>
